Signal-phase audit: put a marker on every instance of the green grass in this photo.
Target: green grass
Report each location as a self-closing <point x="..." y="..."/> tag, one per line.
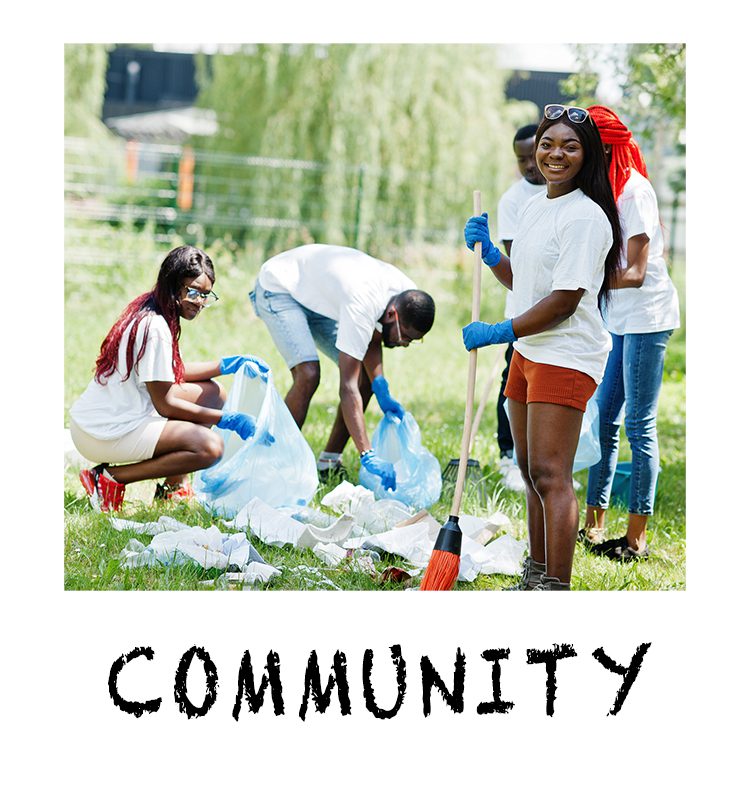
<point x="429" y="379"/>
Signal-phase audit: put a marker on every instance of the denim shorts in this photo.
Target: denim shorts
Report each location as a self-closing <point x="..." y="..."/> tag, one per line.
<point x="295" y="330"/>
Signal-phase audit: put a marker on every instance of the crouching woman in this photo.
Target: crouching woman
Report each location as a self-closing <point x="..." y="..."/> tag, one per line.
<point x="146" y="414"/>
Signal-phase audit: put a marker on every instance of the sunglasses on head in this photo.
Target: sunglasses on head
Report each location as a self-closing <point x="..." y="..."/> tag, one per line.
<point x="575" y="114"/>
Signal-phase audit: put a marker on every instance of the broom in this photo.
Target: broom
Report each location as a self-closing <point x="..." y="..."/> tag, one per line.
<point x="442" y="570"/>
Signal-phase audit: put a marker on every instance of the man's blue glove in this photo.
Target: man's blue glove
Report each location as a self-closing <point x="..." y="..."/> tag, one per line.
<point x="480" y="334"/>
<point x="242" y="423"/>
<point x="233" y="363"/>
<point x="387" y="403"/>
<point x="379" y="467"/>
<point x="477" y="230"/>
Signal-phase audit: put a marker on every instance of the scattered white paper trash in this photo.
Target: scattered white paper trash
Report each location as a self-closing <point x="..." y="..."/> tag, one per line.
<point x="364" y="531"/>
<point x="207" y="547"/>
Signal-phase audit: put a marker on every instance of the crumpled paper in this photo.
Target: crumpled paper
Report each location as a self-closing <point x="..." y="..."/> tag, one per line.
<point x="208" y="547"/>
<point x="278" y="529"/>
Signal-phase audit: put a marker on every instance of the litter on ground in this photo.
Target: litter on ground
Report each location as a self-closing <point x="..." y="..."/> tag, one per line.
<point x="360" y="533"/>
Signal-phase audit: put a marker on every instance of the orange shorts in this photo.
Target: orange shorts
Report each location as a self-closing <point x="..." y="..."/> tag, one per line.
<point x="542" y="382"/>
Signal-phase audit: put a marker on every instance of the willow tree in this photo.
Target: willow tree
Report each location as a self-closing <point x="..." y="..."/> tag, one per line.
<point x="389" y="140"/>
<point x="85" y="80"/>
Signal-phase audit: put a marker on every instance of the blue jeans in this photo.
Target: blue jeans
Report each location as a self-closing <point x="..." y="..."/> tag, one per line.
<point x="295" y="330"/>
<point x="631" y="383"/>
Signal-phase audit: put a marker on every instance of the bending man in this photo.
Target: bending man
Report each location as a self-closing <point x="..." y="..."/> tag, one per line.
<point x="350" y="305"/>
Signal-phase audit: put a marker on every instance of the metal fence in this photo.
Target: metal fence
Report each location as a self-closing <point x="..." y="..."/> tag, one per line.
<point x="177" y="191"/>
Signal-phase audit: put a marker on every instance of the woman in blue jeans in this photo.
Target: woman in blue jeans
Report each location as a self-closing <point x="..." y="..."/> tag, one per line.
<point x="642" y="313"/>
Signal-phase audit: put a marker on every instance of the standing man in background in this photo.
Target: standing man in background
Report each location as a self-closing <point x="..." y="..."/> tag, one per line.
<point x="508" y="215"/>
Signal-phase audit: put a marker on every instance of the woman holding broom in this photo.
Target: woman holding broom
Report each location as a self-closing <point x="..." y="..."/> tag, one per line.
<point x="146" y="411"/>
<point x="565" y="257"/>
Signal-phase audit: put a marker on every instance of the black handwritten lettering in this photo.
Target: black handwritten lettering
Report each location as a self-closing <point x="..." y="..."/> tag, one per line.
<point x="323" y="698"/>
<point x="629" y="673"/>
<point x="369" y="694"/>
<point x="430" y="678"/>
<point x="131" y="706"/>
<point x="550" y="659"/>
<point x="180" y="683"/>
<point x="497" y="705"/>
<point x="246" y="685"/>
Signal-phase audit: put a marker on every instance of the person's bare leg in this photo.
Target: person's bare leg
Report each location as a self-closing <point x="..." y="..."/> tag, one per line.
<point x="206" y="393"/>
<point x="339" y="435"/>
<point x="553" y="432"/>
<point x="305" y="381"/>
<point x="182" y="448"/>
<point x="594" y="526"/>
<point x="636" y="534"/>
<point x="517" y="412"/>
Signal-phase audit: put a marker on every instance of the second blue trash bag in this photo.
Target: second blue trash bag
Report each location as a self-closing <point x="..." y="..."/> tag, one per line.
<point x="418" y="476"/>
<point x="280" y="473"/>
<point x="588" y="451"/>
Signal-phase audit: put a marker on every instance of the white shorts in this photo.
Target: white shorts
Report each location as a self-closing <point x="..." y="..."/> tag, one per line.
<point x="134" y="446"/>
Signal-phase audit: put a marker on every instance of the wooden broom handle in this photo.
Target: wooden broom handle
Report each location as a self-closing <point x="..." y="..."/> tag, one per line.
<point x="469" y="409"/>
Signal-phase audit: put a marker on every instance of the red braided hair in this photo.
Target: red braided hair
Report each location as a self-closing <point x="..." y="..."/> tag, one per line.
<point x="181" y="264"/>
<point x="626" y="155"/>
<point x="134" y="312"/>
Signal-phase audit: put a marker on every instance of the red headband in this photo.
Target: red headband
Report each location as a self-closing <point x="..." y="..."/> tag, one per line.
<point x="626" y="154"/>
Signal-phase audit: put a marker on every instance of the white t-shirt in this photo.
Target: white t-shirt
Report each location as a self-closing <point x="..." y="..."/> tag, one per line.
<point x="508" y="217"/>
<point x="116" y="406"/>
<point x="654" y="306"/>
<point x="338" y="282"/>
<point x="561" y="245"/>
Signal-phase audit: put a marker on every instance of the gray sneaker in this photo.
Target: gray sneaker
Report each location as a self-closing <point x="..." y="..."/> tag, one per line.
<point x="531" y="576"/>
<point x="551" y="583"/>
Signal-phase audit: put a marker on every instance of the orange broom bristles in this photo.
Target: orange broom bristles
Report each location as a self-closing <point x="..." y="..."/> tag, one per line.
<point x="442" y="570"/>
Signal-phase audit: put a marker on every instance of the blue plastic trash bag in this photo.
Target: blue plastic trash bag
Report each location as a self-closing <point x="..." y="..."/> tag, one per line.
<point x="281" y="472"/>
<point x="589" y="450"/>
<point x="418" y="477"/>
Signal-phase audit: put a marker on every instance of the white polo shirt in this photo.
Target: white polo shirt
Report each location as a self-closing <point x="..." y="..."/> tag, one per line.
<point x="338" y="282"/>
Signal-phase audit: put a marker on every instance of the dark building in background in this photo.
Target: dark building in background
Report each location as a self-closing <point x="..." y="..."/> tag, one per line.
<point x="539" y="87"/>
<point x="141" y="80"/>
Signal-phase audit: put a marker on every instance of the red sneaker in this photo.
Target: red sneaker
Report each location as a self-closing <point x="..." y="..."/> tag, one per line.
<point x="175" y="493"/>
<point x="105" y="494"/>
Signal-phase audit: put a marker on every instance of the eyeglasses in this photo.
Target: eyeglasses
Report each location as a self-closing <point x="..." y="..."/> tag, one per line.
<point x="196" y="296"/>
<point x="404" y="340"/>
<point x="575" y="114"/>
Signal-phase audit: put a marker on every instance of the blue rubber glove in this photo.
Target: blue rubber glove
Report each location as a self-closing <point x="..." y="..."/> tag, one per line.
<point x="477" y="230"/>
<point x="387" y="403"/>
<point x="480" y="334"/>
<point x="233" y="363"/>
<point x="379" y="467"/>
<point x="242" y="423"/>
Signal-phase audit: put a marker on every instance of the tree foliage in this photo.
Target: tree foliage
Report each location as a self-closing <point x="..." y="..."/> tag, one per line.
<point x="651" y="78"/>
<point x="85" y="80"/>
<point x="401" y="134"/>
